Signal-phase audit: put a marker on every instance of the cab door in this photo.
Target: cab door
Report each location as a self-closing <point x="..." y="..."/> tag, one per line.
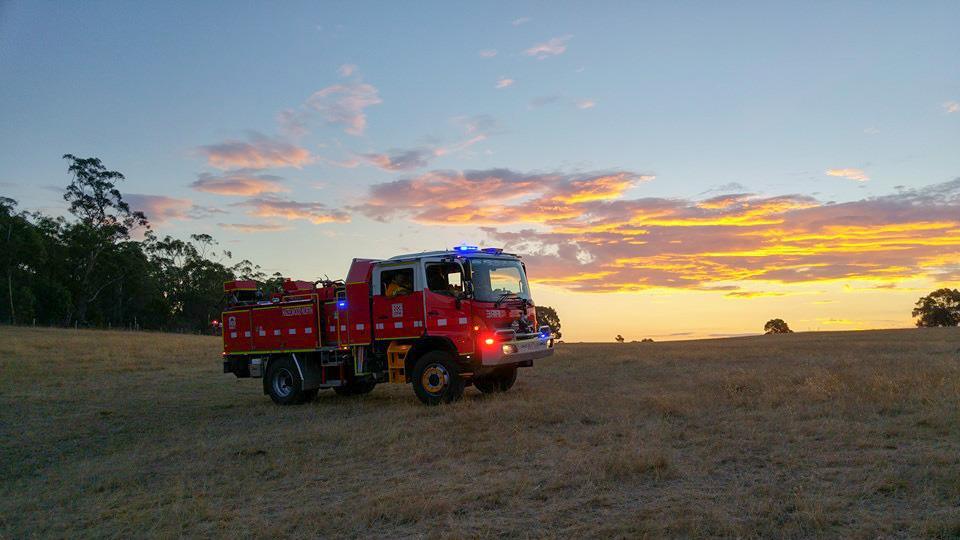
<point x="397" y="301"/>
<point x="448" y="314"/>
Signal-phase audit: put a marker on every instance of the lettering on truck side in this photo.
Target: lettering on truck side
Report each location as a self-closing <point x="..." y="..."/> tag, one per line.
<point x="294" y="311"/>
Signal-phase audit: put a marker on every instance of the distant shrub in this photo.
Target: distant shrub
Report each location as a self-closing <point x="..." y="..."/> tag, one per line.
<point x="776" y="326"/>
<point x="939" y="308"/>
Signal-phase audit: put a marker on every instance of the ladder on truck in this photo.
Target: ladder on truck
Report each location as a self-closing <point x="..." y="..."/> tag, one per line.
<point x="396" y="362"/>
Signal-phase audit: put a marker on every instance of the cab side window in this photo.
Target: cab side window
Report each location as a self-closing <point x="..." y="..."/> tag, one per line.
<point x="444" y="278"/>
<point x="396" y="282"/>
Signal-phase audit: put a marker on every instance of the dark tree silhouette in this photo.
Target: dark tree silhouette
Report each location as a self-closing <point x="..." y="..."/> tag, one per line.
<point x="776" y="326"/>
<point x="105" y="221"/>
<point x="939" y="308"/>
<point x="548" y="316"/>
<point x="619" y="338"/>
<point x="89" y="267"/>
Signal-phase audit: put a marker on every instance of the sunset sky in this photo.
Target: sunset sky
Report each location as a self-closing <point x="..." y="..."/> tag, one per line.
<point x="667" y="170"/>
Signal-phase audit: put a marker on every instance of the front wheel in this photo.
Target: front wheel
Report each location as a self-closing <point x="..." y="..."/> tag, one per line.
<point x="500" y="380"/>
<point x="436" y="379"/>
<point x="284" y="383"/>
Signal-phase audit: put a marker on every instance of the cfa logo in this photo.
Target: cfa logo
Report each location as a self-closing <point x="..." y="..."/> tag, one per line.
<point x="397" y="310"/>
<point x="232" y="323"/>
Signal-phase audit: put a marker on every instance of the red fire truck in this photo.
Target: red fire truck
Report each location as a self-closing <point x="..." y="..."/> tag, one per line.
<point x="439" y="320"/>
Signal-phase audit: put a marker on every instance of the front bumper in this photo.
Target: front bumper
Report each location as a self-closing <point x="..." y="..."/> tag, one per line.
<point x="516" y="351"/>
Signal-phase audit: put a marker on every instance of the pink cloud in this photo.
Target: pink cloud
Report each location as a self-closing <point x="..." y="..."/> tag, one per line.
<point x="344" y="104"/>
<point x="292" y="123"/>
<point x="552" y="47"/>
<point x="504" y="82"/>
<point x="314" y="212"/>
<point x="240" y="182"/>
<point x="253" y="227"/>
<point x="161" y="209"/>
<point x="257" y="152"/>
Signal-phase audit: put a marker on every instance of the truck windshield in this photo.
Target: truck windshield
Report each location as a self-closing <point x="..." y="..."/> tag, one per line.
<point x="494" y="279"/>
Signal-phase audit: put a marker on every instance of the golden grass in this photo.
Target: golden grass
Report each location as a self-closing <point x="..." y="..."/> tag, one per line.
<point x="820" y="434"/>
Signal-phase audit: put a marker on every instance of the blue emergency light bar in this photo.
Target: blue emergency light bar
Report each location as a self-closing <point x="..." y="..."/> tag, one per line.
<point x="466" y="249"/>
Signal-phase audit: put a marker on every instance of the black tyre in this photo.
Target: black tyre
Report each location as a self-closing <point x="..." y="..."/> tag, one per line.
<point x="500" y="380"/>
<point x="436" y="379"/>
<point x="355" y="388"/>
<point x="284" y="384"/>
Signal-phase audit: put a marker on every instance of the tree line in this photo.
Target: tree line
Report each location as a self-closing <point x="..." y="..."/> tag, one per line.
<point x="104" y="266"/>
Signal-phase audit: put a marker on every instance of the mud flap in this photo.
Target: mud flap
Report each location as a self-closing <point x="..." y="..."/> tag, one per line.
<point x="310" y="371"/>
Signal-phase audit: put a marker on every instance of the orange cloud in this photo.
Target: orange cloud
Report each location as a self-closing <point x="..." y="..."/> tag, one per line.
<point x="258" y="152"/>
<point x="314" y="212"/>
<point x="490" y="196"/>
<point x="849" y="173"/>
<point x="590" y="237"/>
<point x="240" y="182"/>
<point x="253" y="227"/>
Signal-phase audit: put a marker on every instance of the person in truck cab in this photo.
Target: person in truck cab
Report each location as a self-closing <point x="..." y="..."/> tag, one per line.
<point x="399" y="285"/>
<point x="438" y="281"/>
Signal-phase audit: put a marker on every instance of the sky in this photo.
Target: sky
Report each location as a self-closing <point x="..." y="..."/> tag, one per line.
<point x="668" y="170"/>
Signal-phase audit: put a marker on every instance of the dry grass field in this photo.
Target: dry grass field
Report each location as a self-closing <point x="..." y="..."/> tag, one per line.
<point x="820" y="434"/>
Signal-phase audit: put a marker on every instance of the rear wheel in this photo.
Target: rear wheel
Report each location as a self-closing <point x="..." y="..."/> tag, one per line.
<point x="436" y="379"/>
<point x="355" y="388"/>
<point x="284" y="383"/>
<point x="500" y="380"/>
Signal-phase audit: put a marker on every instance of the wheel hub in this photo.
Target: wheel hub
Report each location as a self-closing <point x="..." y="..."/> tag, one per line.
<point x="283" y="382"/>
<point x="435" y="379"/>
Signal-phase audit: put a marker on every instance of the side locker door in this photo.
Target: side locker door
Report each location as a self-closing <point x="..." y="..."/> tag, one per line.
<point x="444" y="280"/>
<point x="237" y="336"/>
<point x="397" y="310"/>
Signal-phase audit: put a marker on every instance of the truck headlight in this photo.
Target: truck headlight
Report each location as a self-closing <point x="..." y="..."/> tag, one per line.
<point x="509" y="349"/>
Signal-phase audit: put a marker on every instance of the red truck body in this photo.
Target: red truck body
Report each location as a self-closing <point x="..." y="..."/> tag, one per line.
<point x="439" y="320"/>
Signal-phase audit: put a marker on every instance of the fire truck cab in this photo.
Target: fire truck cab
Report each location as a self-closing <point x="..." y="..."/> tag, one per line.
<point x="440" y="320"/>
